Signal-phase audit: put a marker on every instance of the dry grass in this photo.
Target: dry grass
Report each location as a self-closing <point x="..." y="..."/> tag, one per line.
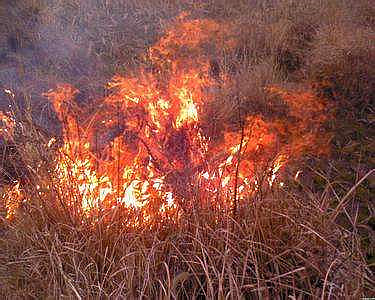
<point x="313" y="238"/>
<point x="285" y="243"/>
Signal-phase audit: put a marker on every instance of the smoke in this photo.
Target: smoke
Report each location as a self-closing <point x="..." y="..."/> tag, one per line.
<point x="83" y="43"/>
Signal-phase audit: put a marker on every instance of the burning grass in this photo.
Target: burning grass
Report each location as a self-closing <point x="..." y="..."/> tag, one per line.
<point x="280" y="244"/>
<point x="145" y="147"/>
<point x="183" y="179"/>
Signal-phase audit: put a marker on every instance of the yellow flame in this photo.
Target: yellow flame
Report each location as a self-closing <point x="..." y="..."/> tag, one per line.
<point x="13" y="200"/>
<point x="188" y="109"/>
<point x="132" y="195"/>
<point x="279" y="162"/>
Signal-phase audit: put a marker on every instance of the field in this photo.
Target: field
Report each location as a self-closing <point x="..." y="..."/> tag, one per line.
<point x="187" y="149"/>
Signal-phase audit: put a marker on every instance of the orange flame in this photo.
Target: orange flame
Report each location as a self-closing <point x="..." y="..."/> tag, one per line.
<point x="14" y="197"/>
<point x="145" y="149"/>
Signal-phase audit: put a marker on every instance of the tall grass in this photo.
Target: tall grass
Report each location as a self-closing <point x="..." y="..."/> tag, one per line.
<point x="285" y="243"/>
<point x="311" y="238"/>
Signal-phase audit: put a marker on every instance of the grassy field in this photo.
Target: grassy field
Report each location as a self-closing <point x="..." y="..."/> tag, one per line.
<point x="310" y="237"/>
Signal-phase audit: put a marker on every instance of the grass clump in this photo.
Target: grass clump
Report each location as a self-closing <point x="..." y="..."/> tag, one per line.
<point x="283" y="244"/>
<point x="310" y="235"/>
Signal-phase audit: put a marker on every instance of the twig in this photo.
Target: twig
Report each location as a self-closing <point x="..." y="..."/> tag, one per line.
<point x="343" y="200"/>
<point x="234" y="209"/>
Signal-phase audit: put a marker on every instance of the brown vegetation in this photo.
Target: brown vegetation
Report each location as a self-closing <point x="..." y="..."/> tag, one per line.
<point x="310" y="237"/>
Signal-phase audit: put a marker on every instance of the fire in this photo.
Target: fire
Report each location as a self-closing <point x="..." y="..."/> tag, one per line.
<point x="145" y="149"/>
<point x="13" y="197"/>
<point x="188" y="111"/>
